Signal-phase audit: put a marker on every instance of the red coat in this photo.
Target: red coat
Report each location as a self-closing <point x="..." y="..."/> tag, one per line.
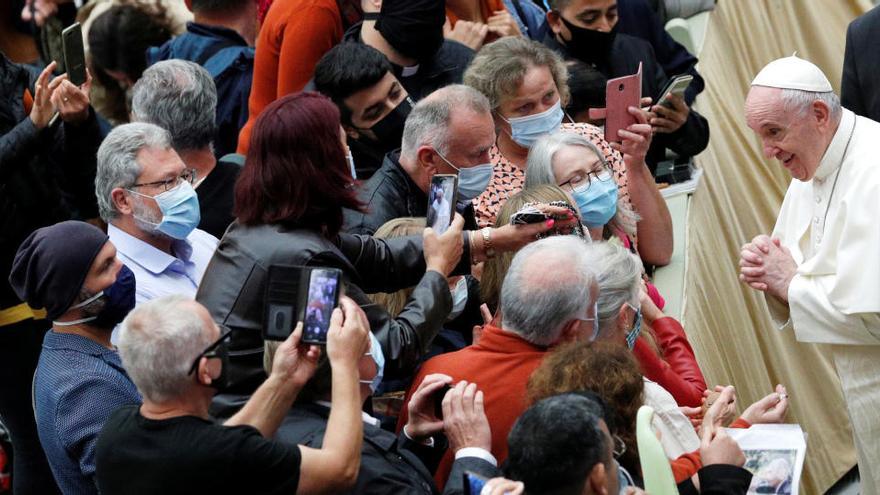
<point x="500" y="364"/>
<point x="678" y="371"/>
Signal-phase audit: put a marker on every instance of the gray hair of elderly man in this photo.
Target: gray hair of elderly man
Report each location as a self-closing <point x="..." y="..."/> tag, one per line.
<point x="799" y="102"/>
<point x="539" y="170"/>
<point x="158" y="342"/>
<point x="117" y="161"/>
<point x="618" y="272"/>
<point x="180" y="97"/>
<point x="547" y="286"/>
<point x="428" y="122"/>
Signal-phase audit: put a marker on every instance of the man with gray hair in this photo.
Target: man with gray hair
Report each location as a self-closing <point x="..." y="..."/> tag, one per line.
<point x="448" y="132"/>
<point x="179" y="96"/>
<point x="145" y="195"/>
<point x="819" y="268"/>
<point x="548" y="297"/>
<point x="177" y="357"/>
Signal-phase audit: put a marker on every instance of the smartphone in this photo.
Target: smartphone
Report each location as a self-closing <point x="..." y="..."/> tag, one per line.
<point x="677" y="86"/>
<point x="280" y="315"/>
<point x="620" y="94"/>
<point x="74" y="55"/>
<point x="322" y="298"/>
<point x="438" y="401"/>
<point x="528" y="214"/>
<point x="442" y="196"/>
<point x="473" y="483"/>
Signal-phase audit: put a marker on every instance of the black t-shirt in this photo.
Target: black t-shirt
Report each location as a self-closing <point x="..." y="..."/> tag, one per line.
<point x="187" y="455"/>
<point x="216" y="198"/>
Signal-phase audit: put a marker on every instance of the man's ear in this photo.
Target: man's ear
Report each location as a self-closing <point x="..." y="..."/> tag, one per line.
<point x="572" y="332"/>
<point x="597" y="480"/>
<point x="821" y="112"/>
<point x="428" y="159"/>
<point x="351" y="132"/>
<point x="203" y="372"/>
<point x="121" y="201"/>
<point x="554" y="21"/>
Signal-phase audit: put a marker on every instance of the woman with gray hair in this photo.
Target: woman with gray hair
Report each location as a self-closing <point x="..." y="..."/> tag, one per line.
<point x="526" y="84"/>
<point x="625" y="309"/>
<point x="573" y="163"/>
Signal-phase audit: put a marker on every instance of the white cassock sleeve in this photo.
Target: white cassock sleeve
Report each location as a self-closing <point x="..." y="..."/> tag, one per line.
<point x="815" y="317"/>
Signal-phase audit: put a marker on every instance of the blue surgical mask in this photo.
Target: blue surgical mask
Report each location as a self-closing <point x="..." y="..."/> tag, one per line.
<point x="472" y="181"/>
<point x="379" y="359"/>
<point x="597" y="201"/>
<point x="180" y="210"/>
<point x="526" y="130"/>
<point x="633" y="333"/>
<point x="459" y="299"/>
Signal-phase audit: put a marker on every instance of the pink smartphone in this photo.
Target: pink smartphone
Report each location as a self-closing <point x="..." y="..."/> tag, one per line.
<point x="620" y="94"/>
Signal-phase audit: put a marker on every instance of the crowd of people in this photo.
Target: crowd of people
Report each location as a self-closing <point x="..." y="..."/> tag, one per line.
<point x="143" y="210"/>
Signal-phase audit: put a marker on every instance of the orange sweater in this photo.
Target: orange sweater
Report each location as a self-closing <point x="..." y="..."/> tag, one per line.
<point x="294" y="36"/>
<point x="500" y="364"/>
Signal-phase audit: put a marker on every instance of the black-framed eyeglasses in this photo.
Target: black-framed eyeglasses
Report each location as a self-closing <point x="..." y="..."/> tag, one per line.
<point x="211" y="350"/>
<point x="619" y="447"/>
<point x="188" y="175"/>
<point x="584" y="181"/>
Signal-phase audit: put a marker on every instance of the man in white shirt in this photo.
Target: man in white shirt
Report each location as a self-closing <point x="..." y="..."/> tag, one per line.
<point x="821" y="266"/>
<point x="145" y="195"/>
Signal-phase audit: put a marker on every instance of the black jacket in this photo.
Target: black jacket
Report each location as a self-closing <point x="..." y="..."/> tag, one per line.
<point x="718" y="479"/>
<point x="389" y="464"/>
<point x="391" y="193"/>
<point x="46" y="176"/>
<point x="626" y="54"/>
<point x="860" y="84"/>
<point x="234" y="289"/>
<point x="637" y="18"/>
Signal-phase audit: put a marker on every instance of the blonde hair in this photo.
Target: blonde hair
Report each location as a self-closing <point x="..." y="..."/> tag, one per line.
<point x="394" y="302"/>
<point x="498" y="69"/>
<point x="495" y="269"/>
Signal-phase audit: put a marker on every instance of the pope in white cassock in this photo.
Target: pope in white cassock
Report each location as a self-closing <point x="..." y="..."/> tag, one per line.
<point x="820" y="269"/>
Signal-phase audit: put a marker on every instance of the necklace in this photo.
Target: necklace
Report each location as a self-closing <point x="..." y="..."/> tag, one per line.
<point x="837" y="175"/>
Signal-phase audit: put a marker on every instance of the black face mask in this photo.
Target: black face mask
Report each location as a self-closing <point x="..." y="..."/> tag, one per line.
<point x="413" y="27"/>
<point x="389" y="130"/>
<point x="589" y="45"/>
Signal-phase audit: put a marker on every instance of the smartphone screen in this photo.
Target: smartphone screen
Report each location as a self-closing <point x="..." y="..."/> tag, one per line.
<point x="323" y="297"/>
<point x="74" y="56"/>
<point x="441" y="201"/>
<point x="677" y="86"/>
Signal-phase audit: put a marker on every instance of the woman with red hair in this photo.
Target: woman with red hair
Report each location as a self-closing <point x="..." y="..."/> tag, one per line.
<point x="288" y="203"/>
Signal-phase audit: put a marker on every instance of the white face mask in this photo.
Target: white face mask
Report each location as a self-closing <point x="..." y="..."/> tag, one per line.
<point x="459" y="299"/>
<point x="350" y="158"/>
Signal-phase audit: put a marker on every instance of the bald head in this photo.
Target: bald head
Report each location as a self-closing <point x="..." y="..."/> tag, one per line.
<point x="794" y="126"/>
<point x="548" y="285"/>
<point x="430" y="121"/>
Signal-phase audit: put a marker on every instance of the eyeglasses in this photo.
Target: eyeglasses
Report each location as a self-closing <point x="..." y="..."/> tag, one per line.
<point x="619" y="447"/>
<point x="188" y="175"/>
<point x="582" y="182"/>
<point x="211" y="351"/>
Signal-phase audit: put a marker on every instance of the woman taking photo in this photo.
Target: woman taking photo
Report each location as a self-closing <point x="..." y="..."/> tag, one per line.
<point x="288" y="203"/>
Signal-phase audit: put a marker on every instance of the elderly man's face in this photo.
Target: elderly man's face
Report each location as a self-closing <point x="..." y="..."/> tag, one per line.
<point x="793" y="138"/>
<point x="157" y="167"/>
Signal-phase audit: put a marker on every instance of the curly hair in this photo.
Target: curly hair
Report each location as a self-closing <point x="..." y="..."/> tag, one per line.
<point x="609" y="370"/>
<point x="498" y="69"/>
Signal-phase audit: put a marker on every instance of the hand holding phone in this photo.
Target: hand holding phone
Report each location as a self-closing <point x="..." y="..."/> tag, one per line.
<point x="620" y="94"/>
<point x="677" y="86"/>
<point x="528" y="214"/>
<point x="74" y="54"/>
